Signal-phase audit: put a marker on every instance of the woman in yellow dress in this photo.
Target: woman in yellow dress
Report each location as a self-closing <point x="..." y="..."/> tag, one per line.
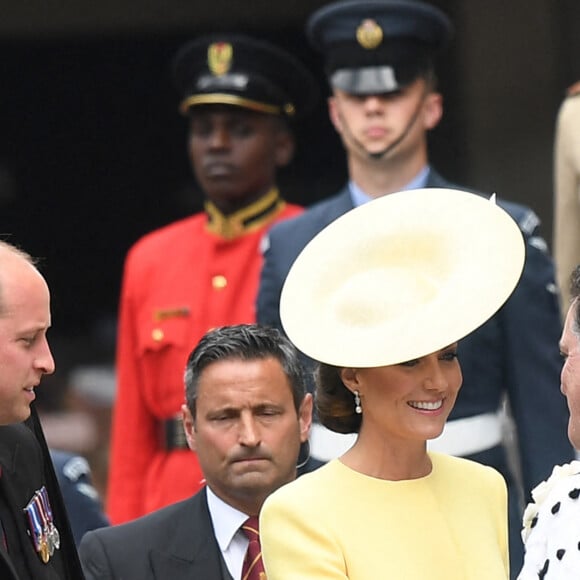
<point x="380" y="298"/>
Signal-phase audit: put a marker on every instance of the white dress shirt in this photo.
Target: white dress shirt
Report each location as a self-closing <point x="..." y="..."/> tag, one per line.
<point x="232" y="541"/>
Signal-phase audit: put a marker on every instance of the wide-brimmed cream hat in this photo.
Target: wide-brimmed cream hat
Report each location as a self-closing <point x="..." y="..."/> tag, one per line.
<point x="401" y="277"/>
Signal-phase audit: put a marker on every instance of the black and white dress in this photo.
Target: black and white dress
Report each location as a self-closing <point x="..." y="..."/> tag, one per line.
<point x="551" y="531"/>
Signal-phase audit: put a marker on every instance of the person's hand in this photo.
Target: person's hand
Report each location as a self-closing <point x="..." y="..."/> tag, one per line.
<point x="573" y="89"/>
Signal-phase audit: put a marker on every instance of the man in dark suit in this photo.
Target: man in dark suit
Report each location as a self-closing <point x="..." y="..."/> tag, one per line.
<point x="35" y="537"/>
<point x="379" y="59"/>
<point x="247" y="414"/>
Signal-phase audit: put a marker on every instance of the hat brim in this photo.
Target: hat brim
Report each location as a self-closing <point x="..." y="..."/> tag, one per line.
<point x="401" y="277"/>
<point x="366" y="80"/>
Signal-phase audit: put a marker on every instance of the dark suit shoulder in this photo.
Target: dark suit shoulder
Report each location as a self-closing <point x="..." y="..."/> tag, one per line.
<point x="306" y="225"/>
<point x="18" y="433"/>
<point x="154" y="521"/>
<point x="21" y="456"/>
<point x="173" y="542"/>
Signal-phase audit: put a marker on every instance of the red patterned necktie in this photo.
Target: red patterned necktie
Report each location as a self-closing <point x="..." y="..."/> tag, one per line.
<point x="253" y="567"/>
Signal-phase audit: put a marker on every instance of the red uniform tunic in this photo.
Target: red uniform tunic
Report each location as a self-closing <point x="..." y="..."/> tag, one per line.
<point x="179" y="282"/>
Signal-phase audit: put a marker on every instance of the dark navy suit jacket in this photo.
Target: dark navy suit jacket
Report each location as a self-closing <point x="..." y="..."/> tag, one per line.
<point x="176" y="542"/>
<point x="515" y="353"/>
<point x="26" y="467"/>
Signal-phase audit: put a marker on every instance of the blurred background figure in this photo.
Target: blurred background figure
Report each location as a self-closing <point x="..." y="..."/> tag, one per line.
<point x="92" y="396"/>
<point x="566" y="229"/>
<point x="241" y="98"/>
<point x="81" y="499"/>
<point x="76" y="409"/>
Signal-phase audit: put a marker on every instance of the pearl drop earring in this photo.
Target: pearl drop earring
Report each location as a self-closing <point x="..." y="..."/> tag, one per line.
<point x="357" y="407"/>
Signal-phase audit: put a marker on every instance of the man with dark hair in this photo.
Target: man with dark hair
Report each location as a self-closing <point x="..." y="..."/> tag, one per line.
<point x="35" y="537"/>
<point x="245" y="342"/>
<point x="379" y="57"/>
<point x="241" y="97"/>
<point x="246" y="416"/>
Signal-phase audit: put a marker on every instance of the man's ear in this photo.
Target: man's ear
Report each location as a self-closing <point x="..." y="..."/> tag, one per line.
<point x="432" y="110"/>
<point x="334" y="114"/>
<point x="305" y="417"/>
<point x="285" y="146"/>
<point x="189" y="427"/>
<point x="349" y="377"/>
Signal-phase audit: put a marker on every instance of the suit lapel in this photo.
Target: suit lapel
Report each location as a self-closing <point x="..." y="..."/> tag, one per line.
<point x="196" y="554"/>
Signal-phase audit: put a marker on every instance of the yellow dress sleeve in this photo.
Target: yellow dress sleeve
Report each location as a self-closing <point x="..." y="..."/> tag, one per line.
<point x="298" y="545"/>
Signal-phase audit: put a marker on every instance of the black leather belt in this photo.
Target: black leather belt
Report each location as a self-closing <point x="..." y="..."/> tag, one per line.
<point x="173" y="435"/>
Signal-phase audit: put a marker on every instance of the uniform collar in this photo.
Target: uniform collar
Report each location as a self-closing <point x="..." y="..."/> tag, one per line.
<point x="247" y="219"/>
<point x="359" y="197"/>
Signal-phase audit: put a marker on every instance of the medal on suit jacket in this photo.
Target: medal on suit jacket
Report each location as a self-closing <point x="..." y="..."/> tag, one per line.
<point x="41" y="528"/>
<point x="52" y="532"/>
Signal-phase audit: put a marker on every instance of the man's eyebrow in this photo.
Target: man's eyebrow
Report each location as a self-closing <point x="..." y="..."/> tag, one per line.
<point x="224" y="409"/>
<point x="35" y="328"/>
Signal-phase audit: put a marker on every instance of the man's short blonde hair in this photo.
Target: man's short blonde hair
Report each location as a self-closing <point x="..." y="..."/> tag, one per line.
<point x="9" y="249"/>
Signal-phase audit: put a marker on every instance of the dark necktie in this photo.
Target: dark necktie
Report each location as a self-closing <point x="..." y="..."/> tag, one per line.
<point x="253" y="567"/>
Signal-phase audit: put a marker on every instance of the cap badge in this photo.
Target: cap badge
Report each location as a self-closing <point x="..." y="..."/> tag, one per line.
<point x="369" y="34"/>
<point x="219" y="57"/>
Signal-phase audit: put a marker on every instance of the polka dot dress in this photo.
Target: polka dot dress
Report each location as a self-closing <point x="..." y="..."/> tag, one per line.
<point x="551" y="530"/>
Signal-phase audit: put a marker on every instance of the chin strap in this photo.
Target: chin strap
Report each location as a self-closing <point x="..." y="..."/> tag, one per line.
<point x="380" y="154"/>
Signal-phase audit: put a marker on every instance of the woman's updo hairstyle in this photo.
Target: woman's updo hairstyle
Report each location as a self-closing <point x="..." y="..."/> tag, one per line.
<point x="334" y="402"/>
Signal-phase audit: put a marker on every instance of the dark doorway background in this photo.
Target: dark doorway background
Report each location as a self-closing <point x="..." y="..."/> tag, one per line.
<point x="92" y="156"/>
<point x="92" y="153"/>
<point x="92" y="149"/>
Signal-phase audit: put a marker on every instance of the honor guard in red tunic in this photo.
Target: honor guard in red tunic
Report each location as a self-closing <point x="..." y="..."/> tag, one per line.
<point x="241" y="97"/>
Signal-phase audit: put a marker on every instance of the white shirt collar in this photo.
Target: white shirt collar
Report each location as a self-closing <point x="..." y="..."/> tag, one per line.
<point x="226" y="521"/>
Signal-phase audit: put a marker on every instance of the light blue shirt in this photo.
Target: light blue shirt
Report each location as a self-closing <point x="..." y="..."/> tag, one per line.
<point x="359" y="196"/>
